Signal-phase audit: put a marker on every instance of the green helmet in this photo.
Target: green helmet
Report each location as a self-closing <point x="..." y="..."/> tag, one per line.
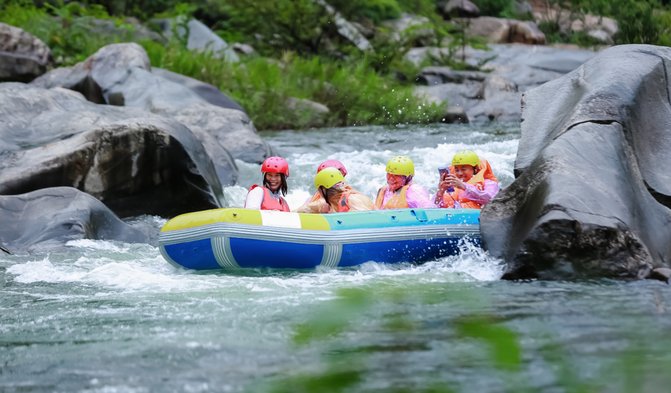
<point x="328" y="177"/>
<point x="401" y="165"/>
<point x="466" y="157"/>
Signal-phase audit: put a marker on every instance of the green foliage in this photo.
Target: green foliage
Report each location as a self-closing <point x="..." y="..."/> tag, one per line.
<point x="500" y="8"/>
<point x="476" y="340"/>
<point x="73" y="32"/>
<point x="420" y="7"/>
<point x="374" y="10"/>
<point x="504" y="344"/>
<point x="274" y="26"/>
<point x="354" y="93"/>
<point x="637" y="22"/>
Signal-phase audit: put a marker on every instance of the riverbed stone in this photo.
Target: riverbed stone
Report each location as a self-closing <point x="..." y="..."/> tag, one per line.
<point x="592" y="194"/>
<point x="23" y="57"/>
<point x="134" y="161"/>
<point x="50" y="217"/>
<point x="508" y="70"/>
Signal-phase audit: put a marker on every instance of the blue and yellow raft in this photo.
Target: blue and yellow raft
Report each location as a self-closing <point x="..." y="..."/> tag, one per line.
<point x="242" y="238"/>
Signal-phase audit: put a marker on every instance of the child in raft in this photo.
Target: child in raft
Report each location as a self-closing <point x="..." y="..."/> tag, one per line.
<point x="317" y="203"/>
<point x="275" y="171"/>
<point x="469" y="184"/>
<point x="400" y="192"/>
<point x="339" y="195"/>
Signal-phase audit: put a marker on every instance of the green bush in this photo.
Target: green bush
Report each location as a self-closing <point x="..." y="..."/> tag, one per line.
<point x="637" y="22"/>
<point x="374" y="10"/>
<point x="500" y="8"/>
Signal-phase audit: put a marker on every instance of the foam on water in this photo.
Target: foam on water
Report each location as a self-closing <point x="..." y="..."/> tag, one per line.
<point x="114" y="266"/>
<point x="129" y="268"/>
<point x="366" y="158"/>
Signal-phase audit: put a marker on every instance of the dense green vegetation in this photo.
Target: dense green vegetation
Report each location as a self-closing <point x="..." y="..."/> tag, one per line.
<point x="639" y="21"/>
<point x="299" y="54"/>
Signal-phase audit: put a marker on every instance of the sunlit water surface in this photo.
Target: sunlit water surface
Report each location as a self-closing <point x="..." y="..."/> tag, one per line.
<point x="110" y="317"/>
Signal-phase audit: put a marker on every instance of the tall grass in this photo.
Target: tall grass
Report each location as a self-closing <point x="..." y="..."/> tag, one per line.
<point x="354" y="93"/>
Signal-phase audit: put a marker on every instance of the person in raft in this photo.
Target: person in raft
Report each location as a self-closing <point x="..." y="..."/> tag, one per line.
<point x="275" y="171"/>
<point x="400" y="192"/>
<point x="340" y="196"/>
<point x="468" y="183"/>
<point x="317" y="203"/>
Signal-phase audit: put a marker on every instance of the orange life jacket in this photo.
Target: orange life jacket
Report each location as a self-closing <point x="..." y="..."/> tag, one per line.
<point x="397" y="201"/>
<point x="478" y="180"/>
<point x="458" y="195"/>
<point x="270" y="203"/>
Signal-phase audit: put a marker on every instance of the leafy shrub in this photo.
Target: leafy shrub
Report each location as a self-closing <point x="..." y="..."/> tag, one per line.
<point x="375" y="10"/>
<point x="501" y="8"/>
<point x="636" y="20"/>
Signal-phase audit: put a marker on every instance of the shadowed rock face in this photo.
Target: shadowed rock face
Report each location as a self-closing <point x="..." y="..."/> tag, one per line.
<point x="133" y="161"/>
<point x="592" y="196"/>
<point x="50" y="217"/>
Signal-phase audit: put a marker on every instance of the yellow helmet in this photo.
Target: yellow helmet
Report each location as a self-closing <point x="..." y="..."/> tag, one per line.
<point x="401" y="165"/>
<point x="466" y="157"/>
<point x="328" y="177"/>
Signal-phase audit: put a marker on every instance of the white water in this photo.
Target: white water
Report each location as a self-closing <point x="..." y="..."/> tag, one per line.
<point x="364" y="151"/>
<point x="111" y="317"/>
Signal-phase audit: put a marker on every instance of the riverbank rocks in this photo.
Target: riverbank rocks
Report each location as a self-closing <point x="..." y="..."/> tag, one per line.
<point x="121" y="75"/>
<point x="50" y="217"/>
<point x="592" y="194"/>
<point x="508" y="70"/>
<point x="23" y="57"/>
<point x="501" y="31"/>
<point x="133" y="161"/>
<point x="198" y="37"/>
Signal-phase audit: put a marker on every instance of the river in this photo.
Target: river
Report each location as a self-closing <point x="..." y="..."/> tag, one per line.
<point x="110" y="317"/>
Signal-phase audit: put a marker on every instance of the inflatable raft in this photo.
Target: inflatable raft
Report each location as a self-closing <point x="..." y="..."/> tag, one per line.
<point x="242" y="238"/>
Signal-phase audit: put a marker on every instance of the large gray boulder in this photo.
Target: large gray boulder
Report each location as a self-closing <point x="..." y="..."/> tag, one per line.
<point x="121" y="74"/>
<point x="50" y="217"/>
<point x="132" y="160"/>
<point x="23" y="57"/>
<point x="592" y="194"/>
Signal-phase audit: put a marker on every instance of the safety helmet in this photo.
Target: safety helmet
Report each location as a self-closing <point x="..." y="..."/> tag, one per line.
<point x="328" y="177"/>
<point x="401" y="165"/>
<point x="466" y="157"/>
<point x="275" y="165"/>
<point x="333" y="164"/>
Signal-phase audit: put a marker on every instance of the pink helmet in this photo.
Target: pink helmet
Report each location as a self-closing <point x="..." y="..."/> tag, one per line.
<point x="275" y="165"/>
<point x="333" y="164"/>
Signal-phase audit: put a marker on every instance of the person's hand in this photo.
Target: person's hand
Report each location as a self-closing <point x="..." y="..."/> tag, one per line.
<point x="442" y="184"/>
<point x="453" y="181"/>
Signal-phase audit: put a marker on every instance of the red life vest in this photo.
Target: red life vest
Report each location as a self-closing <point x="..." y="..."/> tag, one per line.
<point x="271" y="203"/>
<point x="397" y="201"/>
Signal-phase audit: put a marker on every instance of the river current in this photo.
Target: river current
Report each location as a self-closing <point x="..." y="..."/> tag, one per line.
<point x="107" y="317"/>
